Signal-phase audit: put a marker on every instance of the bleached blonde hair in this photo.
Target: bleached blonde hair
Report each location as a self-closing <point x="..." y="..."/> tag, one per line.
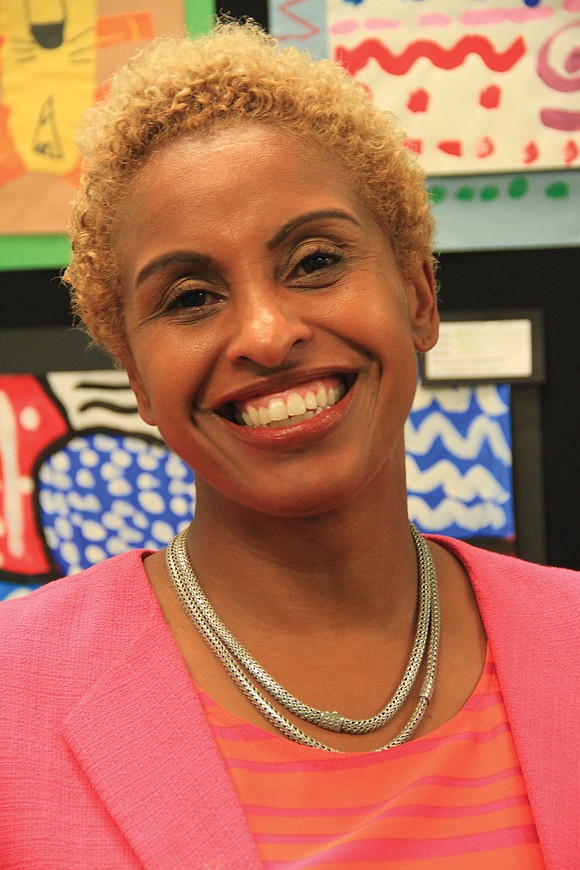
<point x="233" y="74"/>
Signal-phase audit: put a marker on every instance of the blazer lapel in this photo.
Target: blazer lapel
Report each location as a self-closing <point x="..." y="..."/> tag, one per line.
<point x="531" y="619"/>
<point x="141" y="737"/>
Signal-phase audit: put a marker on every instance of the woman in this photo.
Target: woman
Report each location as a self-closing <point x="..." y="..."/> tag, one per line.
<point x="253" y="244"/>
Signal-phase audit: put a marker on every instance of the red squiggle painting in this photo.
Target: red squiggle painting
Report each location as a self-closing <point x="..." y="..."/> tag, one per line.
<point x="444" y="58"/>
<point x="487" y="89"/>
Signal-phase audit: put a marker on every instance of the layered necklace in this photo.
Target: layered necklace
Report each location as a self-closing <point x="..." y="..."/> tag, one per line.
<point x="246" y="672"/>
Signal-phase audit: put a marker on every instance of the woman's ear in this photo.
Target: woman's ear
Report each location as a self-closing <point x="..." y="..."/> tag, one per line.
<point x="423" y="314"/>
<point x="143" y="403"/>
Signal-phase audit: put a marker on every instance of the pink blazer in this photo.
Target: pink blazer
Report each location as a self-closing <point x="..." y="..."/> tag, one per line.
<point x="106" y="760"/>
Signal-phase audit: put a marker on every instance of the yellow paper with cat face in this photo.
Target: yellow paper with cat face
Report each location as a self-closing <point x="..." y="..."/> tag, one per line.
<point x="47" y="43"/>
<point x="55" y="59"/>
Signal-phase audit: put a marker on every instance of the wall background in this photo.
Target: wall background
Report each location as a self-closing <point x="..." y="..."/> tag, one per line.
<point x="505" y="210"/>
<point x="507" y="240"/>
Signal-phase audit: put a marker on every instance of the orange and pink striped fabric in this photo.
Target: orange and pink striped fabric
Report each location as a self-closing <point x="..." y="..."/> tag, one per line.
<point x="452" y="799"/>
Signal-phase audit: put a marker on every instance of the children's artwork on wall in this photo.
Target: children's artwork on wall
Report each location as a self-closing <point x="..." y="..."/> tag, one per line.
<point x="83" y="478"/>
<point x="459" y="462"/>
<point x="480" y="86"/>
<point x="55" y="58"/>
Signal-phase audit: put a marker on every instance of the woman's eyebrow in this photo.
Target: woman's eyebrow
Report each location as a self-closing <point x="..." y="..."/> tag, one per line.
<point x="203" y="260"/>
<point x="189" y="257"/>
<point x="284" y="231"/>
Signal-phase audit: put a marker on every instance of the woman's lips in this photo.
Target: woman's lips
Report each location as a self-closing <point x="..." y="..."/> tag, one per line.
<point x="295" y="432"/>
<point x="289" y="407"/>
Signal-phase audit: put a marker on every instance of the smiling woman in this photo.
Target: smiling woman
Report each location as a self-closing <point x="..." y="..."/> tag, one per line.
<point x="288" y="287"/>
<point x="300" y="675"/>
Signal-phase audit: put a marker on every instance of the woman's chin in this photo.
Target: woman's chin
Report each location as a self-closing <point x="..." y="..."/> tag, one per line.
<point x="302" y="494"/>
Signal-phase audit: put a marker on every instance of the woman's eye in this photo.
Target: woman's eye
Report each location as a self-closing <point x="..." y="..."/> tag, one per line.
<point x="193" y="299"/>
<point x="317" y="261"/>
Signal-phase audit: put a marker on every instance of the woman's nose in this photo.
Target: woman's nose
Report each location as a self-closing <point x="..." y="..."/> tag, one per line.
<point x="267" y="329"/>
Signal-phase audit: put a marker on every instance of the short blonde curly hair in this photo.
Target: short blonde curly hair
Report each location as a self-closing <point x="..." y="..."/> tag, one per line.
<point x="235" y="73"/>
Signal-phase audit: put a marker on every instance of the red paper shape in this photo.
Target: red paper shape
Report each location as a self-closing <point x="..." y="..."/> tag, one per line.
<point x="531" y="153"/>
<point x="415" y="145"/>
<point x="570" y="152"/>
<point x="485" y="147"/>
<point x="489" y="97"/>
<point x="418" y="100"/>
<point x="29" y="423"/>
<point x="451" y="146"/>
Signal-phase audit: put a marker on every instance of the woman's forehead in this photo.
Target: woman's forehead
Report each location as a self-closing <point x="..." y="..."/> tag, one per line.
<point x="227" y="142"/>
<point x="234" y="167"/>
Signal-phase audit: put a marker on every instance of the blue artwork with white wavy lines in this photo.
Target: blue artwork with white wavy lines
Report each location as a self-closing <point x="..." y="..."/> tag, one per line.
<point x="459" y="462"/>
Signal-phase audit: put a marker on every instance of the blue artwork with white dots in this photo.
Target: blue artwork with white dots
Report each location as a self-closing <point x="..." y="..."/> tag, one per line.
<point x="103" y="494"/>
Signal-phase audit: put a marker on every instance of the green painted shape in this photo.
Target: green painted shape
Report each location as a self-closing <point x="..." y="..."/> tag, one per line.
<point x="558" y="190"/>
<point x="466" y="194"/>
<point x="518" y="187"/>
<point x="199" y="15"/>
<point x="18" y="253"/>
<point x="436" y="193"/>
<point x="489" y="193"/>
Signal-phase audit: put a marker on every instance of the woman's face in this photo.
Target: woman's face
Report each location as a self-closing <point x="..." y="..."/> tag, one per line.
<point x="272" y="336"/>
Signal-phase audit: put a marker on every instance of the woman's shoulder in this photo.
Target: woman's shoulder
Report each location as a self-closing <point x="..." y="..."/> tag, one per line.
<point x="511" y="566"/>
<point x="76" y="611"/>
<point x="505" y="581"/>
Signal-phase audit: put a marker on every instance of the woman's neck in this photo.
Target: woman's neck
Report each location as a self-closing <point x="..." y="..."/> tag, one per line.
<point x="353" y="565"/>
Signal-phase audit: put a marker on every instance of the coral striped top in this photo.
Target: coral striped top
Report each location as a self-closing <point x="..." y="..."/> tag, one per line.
<point x="452" y="799"/>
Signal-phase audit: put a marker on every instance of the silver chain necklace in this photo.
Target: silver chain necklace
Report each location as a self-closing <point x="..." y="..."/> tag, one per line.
<point x="239" y="663"/>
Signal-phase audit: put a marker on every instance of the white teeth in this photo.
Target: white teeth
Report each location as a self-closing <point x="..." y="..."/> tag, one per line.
<point x="311" y="401"/>
<point x="277" y="424"/>
<point x="294" y="410"/>
<point x="296" y="405"/>
<point x="277" y="410"/>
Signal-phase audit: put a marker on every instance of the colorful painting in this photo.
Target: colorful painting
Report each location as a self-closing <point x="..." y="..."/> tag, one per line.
<point x="56" y="56"/>
<point x="455" y="72"/>
<point x="83" y="478"/>
<point x="459" y="462"/>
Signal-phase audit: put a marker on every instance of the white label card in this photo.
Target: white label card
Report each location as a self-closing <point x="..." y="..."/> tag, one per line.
<point x="481" y="349"/>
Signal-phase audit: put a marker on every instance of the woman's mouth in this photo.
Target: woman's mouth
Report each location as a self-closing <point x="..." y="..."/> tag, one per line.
<point x="289" y="407"/>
